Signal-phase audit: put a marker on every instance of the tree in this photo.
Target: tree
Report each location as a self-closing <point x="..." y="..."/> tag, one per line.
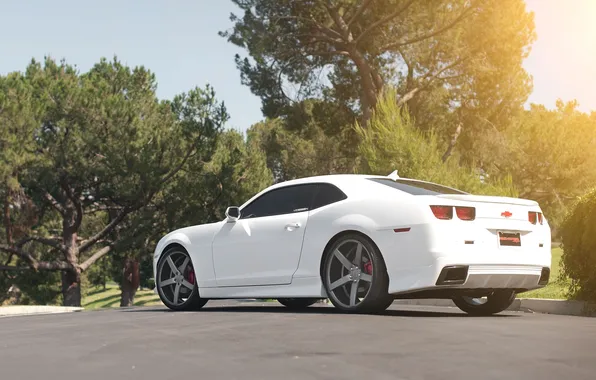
<point x="461" y="54"/>
<point x="199" y="194"/>
<point x="392" y="142"/>
<point x="310" y="140"/>
<point x="551" y="156"/>
<point x="579" y="246"/>
<point x="103" y="146"/>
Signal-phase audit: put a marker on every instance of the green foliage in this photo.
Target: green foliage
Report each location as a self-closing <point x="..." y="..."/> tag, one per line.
<point x="391" y="141"/>
<point x="310" y="140"/>
<point x="579" y="247"/>
<point x="86" y="150"/>
<point x="551" y="156"/>
<point x="446" y="54"/>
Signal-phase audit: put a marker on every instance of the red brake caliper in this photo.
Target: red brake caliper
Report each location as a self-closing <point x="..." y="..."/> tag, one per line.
<point x="191" y="275"/>
<point x="368" y="267"/>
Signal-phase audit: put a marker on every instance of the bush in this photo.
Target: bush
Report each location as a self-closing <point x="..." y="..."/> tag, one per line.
<point x="578" y="234"/>
<point x="391" y="141"/>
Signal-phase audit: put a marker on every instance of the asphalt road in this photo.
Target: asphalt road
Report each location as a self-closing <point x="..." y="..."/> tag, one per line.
<point x="227" y="340"/>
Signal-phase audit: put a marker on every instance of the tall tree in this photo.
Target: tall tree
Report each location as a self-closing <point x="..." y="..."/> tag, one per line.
<point x="103" y="146"/>
<point x="393" y="142"/>
<point x="310" y="140"/>
<point x="471" y="51"/>
<point x="199" y="194"/>
<point x="551" y="155"/>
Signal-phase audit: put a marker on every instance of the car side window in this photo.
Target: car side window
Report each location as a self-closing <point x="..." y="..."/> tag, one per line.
<point x="284" y="200"/>
<point x="327" y="194"/>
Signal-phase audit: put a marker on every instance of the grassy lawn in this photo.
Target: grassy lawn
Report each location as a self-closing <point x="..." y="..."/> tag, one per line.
<point x="98" y="298"/>
<point x="555" y="288"/>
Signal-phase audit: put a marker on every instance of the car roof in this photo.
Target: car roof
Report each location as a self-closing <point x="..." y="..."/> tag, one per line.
<point x="336" y="179"/>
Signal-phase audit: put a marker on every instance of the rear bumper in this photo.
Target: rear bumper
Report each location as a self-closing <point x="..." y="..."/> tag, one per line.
<point x="493" y="276"/>
<point x="500" y="269"/>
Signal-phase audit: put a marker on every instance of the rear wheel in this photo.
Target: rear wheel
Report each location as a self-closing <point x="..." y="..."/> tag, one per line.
<point x="297" y="303"/>
<point x="355" y="277"/>
<point x="176" y="282"/>
<point x="494" y="303"/>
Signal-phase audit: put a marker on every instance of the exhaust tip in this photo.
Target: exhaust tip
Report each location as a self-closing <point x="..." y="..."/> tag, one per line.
<point x="544" y="276"/>
<point x="453" y="275"/>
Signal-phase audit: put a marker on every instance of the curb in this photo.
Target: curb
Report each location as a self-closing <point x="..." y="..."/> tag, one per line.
<point x="529" y="305"/>
<point x="14" y="311"/>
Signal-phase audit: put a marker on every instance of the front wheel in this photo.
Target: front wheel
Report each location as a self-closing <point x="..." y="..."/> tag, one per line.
<point x="494" y="303"/>
<point x="297" y="303"/>
<point x="354" y="275"/>
<point x="176" y="282"/>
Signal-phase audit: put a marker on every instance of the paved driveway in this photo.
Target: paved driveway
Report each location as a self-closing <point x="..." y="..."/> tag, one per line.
<point x="229" y="340"/>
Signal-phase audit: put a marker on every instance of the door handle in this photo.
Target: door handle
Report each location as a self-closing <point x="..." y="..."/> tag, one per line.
<point x="292" y="226"/>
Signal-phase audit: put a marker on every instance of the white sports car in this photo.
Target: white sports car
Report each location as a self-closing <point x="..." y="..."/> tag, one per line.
<point x="361" y="241"/>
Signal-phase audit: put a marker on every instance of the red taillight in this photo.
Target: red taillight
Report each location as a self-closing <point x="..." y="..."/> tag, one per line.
<point x="442" y="212"/>
<point x="535" y="217"/>
<point x="466" y="213"/>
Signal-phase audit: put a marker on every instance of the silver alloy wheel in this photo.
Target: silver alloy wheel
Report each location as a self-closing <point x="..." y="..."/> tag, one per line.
<point x="176" y="278"/>
<point x="475" y="301"/>
<point x="350" y="267"/>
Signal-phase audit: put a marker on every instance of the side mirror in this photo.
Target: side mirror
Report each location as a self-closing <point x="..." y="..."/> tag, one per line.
<point x="232" y="213"/>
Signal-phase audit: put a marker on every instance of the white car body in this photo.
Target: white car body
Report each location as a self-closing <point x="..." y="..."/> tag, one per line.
<point x="280" y="256"/>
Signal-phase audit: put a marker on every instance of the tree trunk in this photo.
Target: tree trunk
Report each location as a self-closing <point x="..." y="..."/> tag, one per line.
<point x="71" y="288"/>
<point x="369" y="95"/>
<point x="7" y="223"/>
<point x="130" y="282"/>
<point x="71" y="279"/>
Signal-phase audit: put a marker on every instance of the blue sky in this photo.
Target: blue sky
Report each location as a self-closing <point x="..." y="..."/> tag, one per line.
<point x="178" y="41"/>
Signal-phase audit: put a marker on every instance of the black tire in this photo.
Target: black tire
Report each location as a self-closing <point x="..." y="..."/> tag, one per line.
<point x="166" y="292"/>
<point x="495" y="303"/>
<point x="375" y="297"/>
<point x="297" y="303"/>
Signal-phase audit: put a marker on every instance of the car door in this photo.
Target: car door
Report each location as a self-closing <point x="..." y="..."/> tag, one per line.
<point x="263" y="246"/>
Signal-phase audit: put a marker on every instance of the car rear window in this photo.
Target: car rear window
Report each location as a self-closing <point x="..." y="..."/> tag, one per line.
<point x="417" y="187"/>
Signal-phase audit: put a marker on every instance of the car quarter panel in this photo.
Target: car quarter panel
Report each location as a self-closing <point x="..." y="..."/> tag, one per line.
<point x="375" y="212"/>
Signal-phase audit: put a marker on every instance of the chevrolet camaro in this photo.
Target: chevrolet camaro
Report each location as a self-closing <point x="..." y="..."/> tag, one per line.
<point x="360" y="241"/>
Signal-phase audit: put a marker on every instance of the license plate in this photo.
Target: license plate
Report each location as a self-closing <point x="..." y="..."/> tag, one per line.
<point x="510" y="239"/>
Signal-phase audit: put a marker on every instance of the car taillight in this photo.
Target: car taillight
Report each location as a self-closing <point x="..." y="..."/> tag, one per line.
<point x="535" y="217"/>
<point x="442" y="212"/>
<point x="466" y="213"/>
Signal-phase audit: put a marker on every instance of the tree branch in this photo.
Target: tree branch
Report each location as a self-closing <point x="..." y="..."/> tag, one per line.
<point x="52" y="243"/>
<point x="94" y="239"/>
<point x="177" y="168"/>
<point x="53" y="265"/>
<point x="452" y="143"/>
<point x="96" y="256"/>
<point x="359" y="11"/>
<point x="382" y="21"/>
<point x="75" y="200"/>
<point x="429" y="35"/>
<point x="21" y="253"/>
<point x="54" y="203"/>
<point x="13" y="268"/>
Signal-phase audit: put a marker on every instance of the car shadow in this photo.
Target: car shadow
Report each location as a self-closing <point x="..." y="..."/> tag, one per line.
<point x="394" y="311"/>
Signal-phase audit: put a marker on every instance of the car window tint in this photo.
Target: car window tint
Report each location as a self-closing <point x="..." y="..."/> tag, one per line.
<point x="327" y="194"/>
<point x="417" y="187"/>
<point x="285" y="200"/>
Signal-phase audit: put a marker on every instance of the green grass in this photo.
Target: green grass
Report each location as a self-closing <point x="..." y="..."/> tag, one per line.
<point x="97" y="298"/>
<point x="556" y="288"/>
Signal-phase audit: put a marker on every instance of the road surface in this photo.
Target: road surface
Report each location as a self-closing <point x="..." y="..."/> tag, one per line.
<point x="230" y="340"/>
